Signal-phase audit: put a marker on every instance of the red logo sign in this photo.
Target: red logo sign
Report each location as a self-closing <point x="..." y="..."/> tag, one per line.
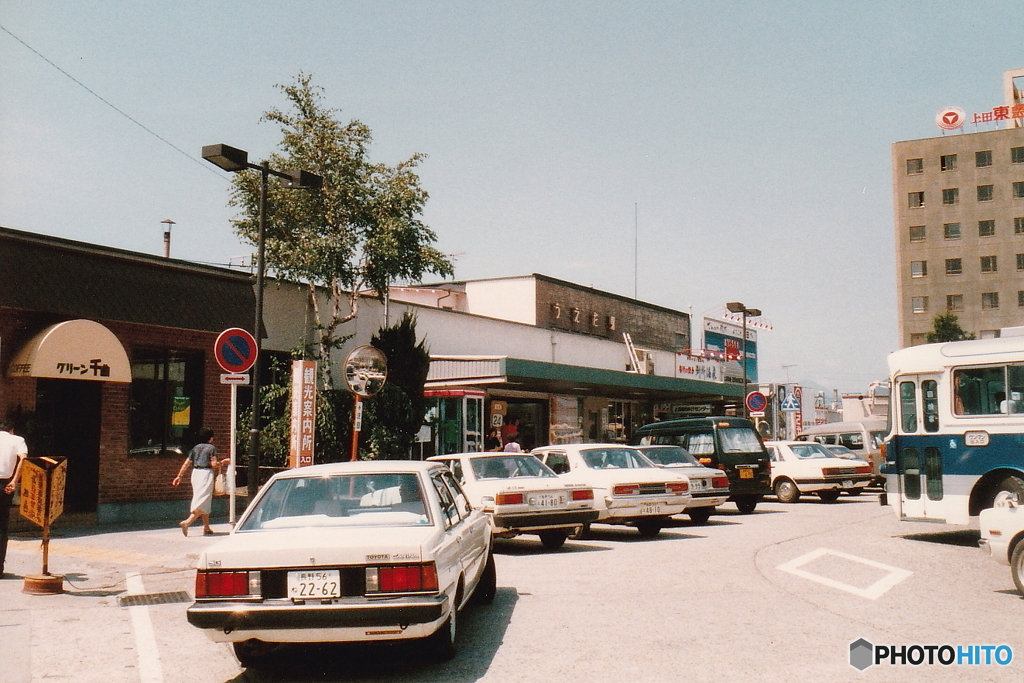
<point x="950" y="118"/>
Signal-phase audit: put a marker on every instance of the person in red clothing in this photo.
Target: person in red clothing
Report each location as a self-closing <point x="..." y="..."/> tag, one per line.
<point x="509" y="429"/>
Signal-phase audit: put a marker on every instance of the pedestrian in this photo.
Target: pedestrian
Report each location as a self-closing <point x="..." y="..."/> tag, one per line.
<point x="13" y="452"/>
<point x="204" y="462"/>
<point x="492" y="442"/>
<point x="513" y="445"/>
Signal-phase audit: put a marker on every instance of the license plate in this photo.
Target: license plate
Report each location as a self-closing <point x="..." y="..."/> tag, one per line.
<point x="310" y="585"/>
<point x="697" y="485"/>
<point x="548" y="500"/>
<point x="746" y="473"/>
<point x="650" y="509"/>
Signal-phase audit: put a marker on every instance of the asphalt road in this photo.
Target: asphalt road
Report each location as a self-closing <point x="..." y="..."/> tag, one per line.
<point x="775" y="596"/>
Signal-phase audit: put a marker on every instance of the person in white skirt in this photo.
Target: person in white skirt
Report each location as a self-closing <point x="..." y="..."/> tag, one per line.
<point x="204" y="462"/>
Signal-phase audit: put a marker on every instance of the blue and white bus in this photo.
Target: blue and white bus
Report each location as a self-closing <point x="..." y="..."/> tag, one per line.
<point x="956" y="432"/>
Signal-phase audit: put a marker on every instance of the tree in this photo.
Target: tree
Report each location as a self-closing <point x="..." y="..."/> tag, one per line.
<point x="361" y="232"/>
<point x="946" y="327"/>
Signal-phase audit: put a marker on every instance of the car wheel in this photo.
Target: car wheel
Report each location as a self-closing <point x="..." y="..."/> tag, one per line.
<point x="786" y="491"/>
<point x="1009" y="489"/>
<point x="252" y="653"/>
<point x="442" y="643"/>
<point x="854" y="492"/>
<point x="488" y="586"/>
<point x="700" y="515"/>
<point x="829" y="496"/>
<point x="553" y="540"/>
<point x="649" y="528"/>
<point x="1017" y="566"/>
<point x="747" y="504"/>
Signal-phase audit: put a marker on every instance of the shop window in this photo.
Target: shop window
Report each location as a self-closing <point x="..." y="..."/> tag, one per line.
<point x="167" y="400"/>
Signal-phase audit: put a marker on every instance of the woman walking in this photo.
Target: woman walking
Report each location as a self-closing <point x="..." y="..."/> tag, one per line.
<point x="204" y="462"/>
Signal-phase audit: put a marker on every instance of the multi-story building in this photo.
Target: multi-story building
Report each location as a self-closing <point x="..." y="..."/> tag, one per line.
<point x="959" y="220"/>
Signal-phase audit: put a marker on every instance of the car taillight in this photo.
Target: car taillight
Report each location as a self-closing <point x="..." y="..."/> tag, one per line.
<point x="226" y="584"/>
<point x="864" y="469"/>
<point x="583" y="494"/>
<point x="626" y="490"/>
<point x="720" y="482"/>
<point x="830" y="471"/>
<point x="678" y="486"/>
<point x="509" y="499"/>
<point x="409" y="578"/>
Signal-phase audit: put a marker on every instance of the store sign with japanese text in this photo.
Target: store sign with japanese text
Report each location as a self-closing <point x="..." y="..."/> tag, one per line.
<point x="303" y="414"/>
<point x="695" y="367"/>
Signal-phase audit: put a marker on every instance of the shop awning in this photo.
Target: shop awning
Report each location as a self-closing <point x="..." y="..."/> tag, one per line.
<point x="74" y="349"/>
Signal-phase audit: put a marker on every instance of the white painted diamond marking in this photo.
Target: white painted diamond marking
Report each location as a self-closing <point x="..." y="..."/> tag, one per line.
<point x="872" y="592"/>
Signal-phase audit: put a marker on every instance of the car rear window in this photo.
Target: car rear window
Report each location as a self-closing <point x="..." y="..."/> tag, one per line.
<point x="613" y="458"/>
<point x="372" y="499"/>
<point x="509" y="467"/>
<point x="738" y="440"/>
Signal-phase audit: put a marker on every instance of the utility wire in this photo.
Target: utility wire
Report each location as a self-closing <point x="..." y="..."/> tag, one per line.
<point x="112" y="106"/>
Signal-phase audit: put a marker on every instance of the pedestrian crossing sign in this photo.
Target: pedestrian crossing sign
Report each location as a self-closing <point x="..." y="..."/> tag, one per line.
<point x="790" y="404"/>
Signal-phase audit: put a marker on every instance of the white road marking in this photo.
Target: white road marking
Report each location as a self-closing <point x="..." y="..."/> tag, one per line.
<point x="894" y="576"/>
<point x="150" y="670"/>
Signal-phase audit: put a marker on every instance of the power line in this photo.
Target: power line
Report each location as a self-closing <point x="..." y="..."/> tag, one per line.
<point x="92" y="92"/>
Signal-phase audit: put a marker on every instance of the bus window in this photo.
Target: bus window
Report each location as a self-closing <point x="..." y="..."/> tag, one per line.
<point x="933" y="472"/>
<point x="930" y="400"/>
<point x="911" y="473"/>
<point x="1015" y="391"/>
<point x="976" y="390"/>
<point x="908" y="407"/>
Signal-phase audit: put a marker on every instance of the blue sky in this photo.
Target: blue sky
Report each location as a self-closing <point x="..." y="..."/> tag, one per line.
<point x="743" y="146"/>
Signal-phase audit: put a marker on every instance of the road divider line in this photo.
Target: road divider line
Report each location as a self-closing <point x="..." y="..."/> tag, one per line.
<point x="150" y="670"/>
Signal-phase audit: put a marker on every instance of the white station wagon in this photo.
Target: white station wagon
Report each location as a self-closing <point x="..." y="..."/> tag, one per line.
<point x="628" y="488"/>
<point x="522" y="495"/>
<point x="808" y="467"/>
<point x="355" y="551"/>
<point x="1002" y="530"/>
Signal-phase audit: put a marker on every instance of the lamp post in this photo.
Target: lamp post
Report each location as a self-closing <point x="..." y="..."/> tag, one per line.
<point x="233" y="160"/>
<point x="737" y="307"/>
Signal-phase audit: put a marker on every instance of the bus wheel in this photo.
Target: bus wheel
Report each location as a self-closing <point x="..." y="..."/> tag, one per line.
<point x="1010" y="488"/>
<point x="1017" y="566"/>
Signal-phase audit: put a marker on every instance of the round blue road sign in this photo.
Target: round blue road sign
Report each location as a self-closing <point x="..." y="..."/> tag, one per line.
<point x="235" y="350"/>
<point x="756" y="402"/>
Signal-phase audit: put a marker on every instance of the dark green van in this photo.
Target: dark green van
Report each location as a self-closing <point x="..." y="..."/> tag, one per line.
<point x="728" y="443"/>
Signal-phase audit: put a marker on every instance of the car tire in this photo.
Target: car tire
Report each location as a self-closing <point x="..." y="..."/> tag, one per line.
<point x="553" y="540"/>
<point x="252" y="653"/>
<point x="441" y="644"/>
<point x="649" y="528"/>
<point x="747" y="504"/>
<point x="786" y="491"/>
<point x="488" y="586"/>
<point x="1010" y="488"/>
<point x="830" y="496"/>
<point x="1017" y="566"/>
<point x="700" y="515"/>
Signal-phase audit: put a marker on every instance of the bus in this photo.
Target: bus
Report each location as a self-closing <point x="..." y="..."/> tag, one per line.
<point x="955" y="443"/>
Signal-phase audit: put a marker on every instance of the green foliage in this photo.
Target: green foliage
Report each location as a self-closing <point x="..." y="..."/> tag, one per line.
<point x="946" y="327"/>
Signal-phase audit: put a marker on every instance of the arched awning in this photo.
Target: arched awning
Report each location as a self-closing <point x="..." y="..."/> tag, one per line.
<point x="74" y="349"/>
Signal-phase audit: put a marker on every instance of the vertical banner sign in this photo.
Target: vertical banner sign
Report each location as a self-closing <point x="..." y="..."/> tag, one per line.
<point x="303" y="416"/>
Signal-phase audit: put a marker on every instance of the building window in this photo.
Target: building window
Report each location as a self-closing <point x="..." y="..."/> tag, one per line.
<point x="986" y="228"/>
<point x="1017" y="155"/>
<point x="954" y="302"/>
<point x="989" y="300"/>
<point x="951" y="231"/>
<point x="917" y="233"/>
<point x="947" y="162"/>
<point x="919" y="304"/>
<point x="167" y="399"/>
<point x="951" y="195"/>
<point x="982" y="159"/>
<point x="1020" y="299"/>
<point x="984" y="193"/>
<point x="915" y="200"/>
<point x="1018" y="190"/>
<point x="1020" y="261"/>
<point x="1018" y="225"/>
<point x="954" y="266"/>
<point x="988" y="264"/>
<point x="918" y="269"/>
<point x="915" y="166"/>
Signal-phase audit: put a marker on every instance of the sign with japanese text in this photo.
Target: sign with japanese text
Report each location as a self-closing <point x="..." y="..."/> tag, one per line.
<point x="42" y="489"/>
<point x="303" y="414"/>
<point x="696" y="367"/>
<point x="725" y="339"/>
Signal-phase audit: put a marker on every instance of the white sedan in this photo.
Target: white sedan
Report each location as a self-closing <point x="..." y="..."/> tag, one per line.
<point x="628" y="488"/>
<point x="1002" y="530"/>
<point x="807" y="467"/>
<point x="709" y="486"/>
<point x="522" y="495"/>
<point x="354" y="551"/>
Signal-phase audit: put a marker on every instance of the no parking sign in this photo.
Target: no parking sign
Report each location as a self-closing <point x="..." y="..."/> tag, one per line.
<point x="235" y="350"/>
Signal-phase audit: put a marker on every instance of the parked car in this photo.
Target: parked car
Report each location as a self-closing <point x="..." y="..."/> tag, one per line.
<point x="354" y="551"/>
<point x="521" y="495"/>
<point x="628" y="488"/>
<point x="709" y="487"/>
<point x="807" y="467"/>
<point x="729" y="443"/>
<point x="1002" y="530"/>
<point x="863" y="437"/>
<point x="841" y="452"/>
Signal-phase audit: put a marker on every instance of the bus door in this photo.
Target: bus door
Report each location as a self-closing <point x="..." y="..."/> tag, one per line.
<point x="918" y="448"/>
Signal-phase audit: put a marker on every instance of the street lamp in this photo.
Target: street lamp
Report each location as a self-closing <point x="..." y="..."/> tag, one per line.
<point x="231" y="159"/>
<point x="737" y="307"/>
